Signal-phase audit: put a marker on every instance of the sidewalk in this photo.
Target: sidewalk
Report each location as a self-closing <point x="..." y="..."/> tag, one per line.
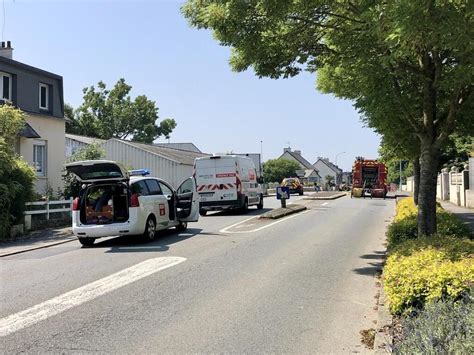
<point x="466" y="215"/>
<point x="37" y="240"/>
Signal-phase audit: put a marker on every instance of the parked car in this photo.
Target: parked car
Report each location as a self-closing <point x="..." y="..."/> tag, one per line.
<point x="114" y="201"/>
<point x="294" y="184"/>
<point x="226" y="182"/>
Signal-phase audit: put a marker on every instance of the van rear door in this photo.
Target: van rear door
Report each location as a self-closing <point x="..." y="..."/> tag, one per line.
<point x="216" y="179"/>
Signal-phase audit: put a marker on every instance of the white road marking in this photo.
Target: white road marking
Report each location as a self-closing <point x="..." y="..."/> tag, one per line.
<point x="324" y="204"/>
<point x="56" y="305"/>
<point x="226" y="230"/>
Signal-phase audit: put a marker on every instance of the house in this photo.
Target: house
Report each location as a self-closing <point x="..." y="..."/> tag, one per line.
<point x="325" y="168"/>
<point x="297" y="157"/>
<point x="39" y="94"/>
<point x="311" y="176"/>
<point x="75" y="142"/>
<point x="307" y="172"/>
<point x="346" y="177"/>
<point x="170" y="164"/>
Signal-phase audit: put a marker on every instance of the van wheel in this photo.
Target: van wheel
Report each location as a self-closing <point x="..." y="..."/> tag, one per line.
<point x="150" y="229"/>
<point x="202" y="212"/>
<point x="260" y="203"/>
<point x="182" y="226"/>
<point x="86" y="241"/>
<point x="245" y="207"/>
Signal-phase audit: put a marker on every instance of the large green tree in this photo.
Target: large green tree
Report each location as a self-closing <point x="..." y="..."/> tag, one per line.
<point x="113" y="114"/>
<point x="417" y="56"/>
<point x="275" y="170"/>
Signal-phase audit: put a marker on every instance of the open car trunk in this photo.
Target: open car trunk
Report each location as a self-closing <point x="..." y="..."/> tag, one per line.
<point x="105" y="203"/>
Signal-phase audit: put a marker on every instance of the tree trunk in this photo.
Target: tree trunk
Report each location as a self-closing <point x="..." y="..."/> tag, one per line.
<point x="427" y="189"/>
<point x="416" y="178"/>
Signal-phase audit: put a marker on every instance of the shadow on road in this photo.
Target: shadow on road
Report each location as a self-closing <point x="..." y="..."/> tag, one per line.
<point x="374" y="268"/>
<point x="135" y="244"/>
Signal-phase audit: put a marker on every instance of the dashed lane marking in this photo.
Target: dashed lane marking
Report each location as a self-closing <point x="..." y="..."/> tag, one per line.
<point x="59" y="304"/>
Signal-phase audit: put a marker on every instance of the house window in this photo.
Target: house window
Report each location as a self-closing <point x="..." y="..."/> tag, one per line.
<point x="5" y="86"/>
<point x="43" y="96"/>
<point x="39" y="157"/>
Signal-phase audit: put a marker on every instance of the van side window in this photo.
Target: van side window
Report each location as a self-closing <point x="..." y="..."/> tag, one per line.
<point x="153" y="187"/>
<point x="140" y="188"/>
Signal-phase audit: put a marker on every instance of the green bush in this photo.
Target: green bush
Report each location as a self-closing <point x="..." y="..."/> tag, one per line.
<point x="405" y="228"/>
<point x="426" y="270"/>
<point x="16" y="177"/>
<point x="444" y="327"/>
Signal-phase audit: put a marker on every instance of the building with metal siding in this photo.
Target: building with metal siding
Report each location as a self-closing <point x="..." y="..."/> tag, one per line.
<point x="169" y="164"/>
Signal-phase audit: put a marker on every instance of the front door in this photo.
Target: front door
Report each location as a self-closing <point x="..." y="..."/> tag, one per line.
<point x="187" y="201"/>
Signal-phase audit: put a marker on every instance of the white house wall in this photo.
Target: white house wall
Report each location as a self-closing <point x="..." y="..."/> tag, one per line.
<point x="324" y="170"/>
<point x="135" y="158"/>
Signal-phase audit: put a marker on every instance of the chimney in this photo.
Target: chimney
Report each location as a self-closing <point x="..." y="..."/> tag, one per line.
<point x="297" y="152"/>
<point x="6" y="50"/>
<point x="286" y="150"/>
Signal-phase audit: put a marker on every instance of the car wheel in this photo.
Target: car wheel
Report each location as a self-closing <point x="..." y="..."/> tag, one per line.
<point x="182" y="226"/>
<point x="202" y="212"/>
<point x="301" y="193"/>
<point x="150" y="229"/>
<point x="86" y="241"/>
<point x="260" y="204"/>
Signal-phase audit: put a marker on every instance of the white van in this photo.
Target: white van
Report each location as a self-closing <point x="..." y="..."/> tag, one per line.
<point x="225" y="182"/>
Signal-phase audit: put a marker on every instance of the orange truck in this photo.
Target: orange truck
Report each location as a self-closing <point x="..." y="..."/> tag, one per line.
<point x="369" y="178"/>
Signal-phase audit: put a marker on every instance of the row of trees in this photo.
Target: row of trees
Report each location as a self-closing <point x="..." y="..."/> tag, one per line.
<point x="406" y="65"/>
<point x="112" y="113"/>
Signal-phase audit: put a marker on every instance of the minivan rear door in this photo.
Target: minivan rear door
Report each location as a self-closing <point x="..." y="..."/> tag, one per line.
<point x="88" y="171"/>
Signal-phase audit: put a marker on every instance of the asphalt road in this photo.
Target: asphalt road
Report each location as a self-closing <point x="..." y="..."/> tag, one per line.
<point x="304" y="285"/>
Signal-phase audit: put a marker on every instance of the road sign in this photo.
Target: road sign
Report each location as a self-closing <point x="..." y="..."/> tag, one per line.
<point x="283" y="192"/>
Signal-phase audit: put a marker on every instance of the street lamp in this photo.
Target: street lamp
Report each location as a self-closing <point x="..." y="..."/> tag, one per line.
<point x="335" y="160"/>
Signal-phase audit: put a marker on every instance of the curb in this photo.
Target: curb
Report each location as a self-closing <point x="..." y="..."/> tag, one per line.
<point x="282" y="212"/>
<point x="326" y="198"/>
<point x="383" y="336"/>
<point x="37" y="247"/>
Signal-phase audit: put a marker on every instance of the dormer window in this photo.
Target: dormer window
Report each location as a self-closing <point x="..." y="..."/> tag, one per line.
<point x="43" y="96"/>
<point x="5" y="86"/>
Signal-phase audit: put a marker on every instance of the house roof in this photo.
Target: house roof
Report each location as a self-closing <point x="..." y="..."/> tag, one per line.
<point x="30" y="68"/>
<point x="183" y="146"/>
<point x="308" y="172"/>
<point x="28" y="132"/>
<point x="299" y="158"/>
<point x="181" y="156"/>
<point x="84" y="139"/>
<point x="332" y="166"/>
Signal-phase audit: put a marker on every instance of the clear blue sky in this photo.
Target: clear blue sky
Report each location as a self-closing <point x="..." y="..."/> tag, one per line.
<point x="186" y="72"/>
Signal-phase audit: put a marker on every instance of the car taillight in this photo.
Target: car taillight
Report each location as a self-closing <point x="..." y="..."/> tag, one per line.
<point x="134" y="201"/>
<point x="75" y="204"/>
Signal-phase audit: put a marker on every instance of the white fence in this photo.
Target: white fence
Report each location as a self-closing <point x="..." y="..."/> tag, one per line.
<point x="64" y="206"/>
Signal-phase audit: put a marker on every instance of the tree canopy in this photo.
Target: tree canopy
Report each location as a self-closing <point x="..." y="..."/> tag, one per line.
<point x="113" y="114"/>
<point x="275" y="170"/>
<point x="406" y="65"/>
